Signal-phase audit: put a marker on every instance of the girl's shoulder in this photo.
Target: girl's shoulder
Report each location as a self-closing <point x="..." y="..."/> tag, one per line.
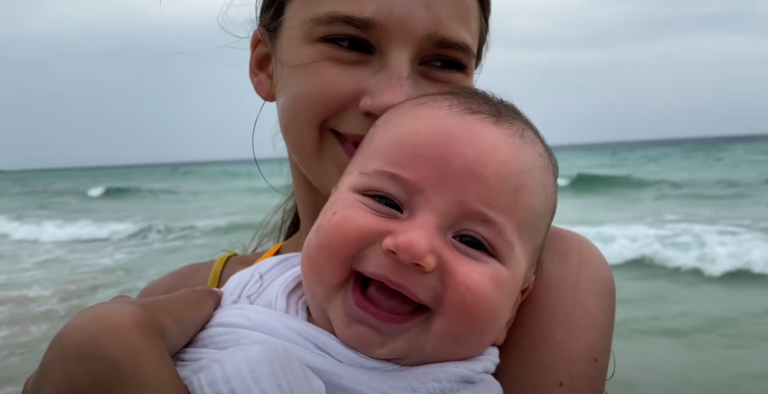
<point x="574" y="297"/>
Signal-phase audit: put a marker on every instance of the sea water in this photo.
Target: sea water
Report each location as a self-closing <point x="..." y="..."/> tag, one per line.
<point x="684" y="225"/>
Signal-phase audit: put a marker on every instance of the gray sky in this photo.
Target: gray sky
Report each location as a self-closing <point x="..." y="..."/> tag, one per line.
<point x="95" y="82"/>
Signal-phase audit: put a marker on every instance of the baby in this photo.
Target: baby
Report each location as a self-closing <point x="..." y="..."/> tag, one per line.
<point x="412" y="274"/>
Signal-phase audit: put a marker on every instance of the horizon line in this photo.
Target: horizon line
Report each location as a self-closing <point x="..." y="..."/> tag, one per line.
<point x="276" y="158"/>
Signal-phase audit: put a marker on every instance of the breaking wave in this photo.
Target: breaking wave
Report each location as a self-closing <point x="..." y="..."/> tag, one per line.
<point x="713" y="250"/>
<point x="122" y="191"/>
<point x="56" y="231"/>
<point x="587" y="182"/>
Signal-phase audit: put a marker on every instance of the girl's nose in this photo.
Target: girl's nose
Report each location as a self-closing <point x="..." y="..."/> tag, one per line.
<point x="392" y="85"/>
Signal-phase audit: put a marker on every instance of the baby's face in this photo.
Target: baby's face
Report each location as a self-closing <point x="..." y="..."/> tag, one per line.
<point x="422" y="254"/>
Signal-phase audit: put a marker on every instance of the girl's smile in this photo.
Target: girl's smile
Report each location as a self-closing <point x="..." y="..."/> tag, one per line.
<point x="349" y="142"/>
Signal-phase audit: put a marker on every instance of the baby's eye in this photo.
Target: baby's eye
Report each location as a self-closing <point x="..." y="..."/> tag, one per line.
<point x="473" y="243"/>
<point x="387" y="202"/>
<point x="352" y="44"/>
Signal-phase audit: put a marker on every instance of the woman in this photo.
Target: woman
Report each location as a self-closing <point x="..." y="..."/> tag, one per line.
<point x="333" y="67"/>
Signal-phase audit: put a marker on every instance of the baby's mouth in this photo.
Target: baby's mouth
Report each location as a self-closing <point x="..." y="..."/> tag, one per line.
<point x="384" y="303"/>
<point x="348" y="143"/>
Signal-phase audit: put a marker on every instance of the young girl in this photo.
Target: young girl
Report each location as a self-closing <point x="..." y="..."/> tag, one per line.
<point x="333" y="67"/>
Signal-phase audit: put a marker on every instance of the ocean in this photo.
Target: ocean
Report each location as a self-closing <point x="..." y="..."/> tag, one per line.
<point x="684" y="225"/>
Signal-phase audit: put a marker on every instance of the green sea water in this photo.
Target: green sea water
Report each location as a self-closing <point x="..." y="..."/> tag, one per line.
<point x="684" y="225"/>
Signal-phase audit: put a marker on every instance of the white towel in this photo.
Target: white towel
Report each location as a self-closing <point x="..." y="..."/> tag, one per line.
<point x="259" y="341"/>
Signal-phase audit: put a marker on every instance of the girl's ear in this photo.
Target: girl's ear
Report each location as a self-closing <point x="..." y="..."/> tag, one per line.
<point x="260" y="69"/>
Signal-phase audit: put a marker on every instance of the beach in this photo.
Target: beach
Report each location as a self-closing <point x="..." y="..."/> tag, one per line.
<point x="684" y="225"/>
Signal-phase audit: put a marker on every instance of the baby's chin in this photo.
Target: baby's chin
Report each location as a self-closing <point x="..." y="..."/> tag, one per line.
<point x="407" y="353"/>
<point x="395" y="350"/>
<point x="413" y="359"/>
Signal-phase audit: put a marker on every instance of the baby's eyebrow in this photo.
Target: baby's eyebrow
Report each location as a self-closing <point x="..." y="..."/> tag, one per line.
<point x="386" y="174"/>
<point x="397" y="179"/>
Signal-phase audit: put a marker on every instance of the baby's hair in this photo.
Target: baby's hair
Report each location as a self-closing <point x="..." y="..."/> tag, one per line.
<point x="494" y="109"/>
<point x="491" y="108"/>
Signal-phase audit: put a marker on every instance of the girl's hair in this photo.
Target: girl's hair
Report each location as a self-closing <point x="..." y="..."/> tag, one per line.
<point x="270" y="20"/>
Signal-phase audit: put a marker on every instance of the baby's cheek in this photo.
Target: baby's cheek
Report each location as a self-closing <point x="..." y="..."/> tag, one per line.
<point x="481" y="302"/>
<point x="323" y="221"/>
<point x="331" y="224"/>
<point x="329" y="244"/>
<point x="346" y="218"/>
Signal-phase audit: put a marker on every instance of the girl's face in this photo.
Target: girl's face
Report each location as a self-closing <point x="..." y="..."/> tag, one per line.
<point x="337" y="65"/>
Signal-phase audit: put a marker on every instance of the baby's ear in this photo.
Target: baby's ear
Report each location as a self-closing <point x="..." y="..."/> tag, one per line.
<point x="524" y="292"/>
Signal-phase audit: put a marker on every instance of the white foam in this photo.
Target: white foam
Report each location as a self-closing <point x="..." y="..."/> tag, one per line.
<point x="564" y="181"/>
<point x="56" y="231"/>
<point x="64" y="231"/>
<point x="714" y="250"/>
<point x="97" y="191"/>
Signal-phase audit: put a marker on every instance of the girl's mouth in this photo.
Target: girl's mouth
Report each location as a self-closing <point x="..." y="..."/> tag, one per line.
<point x="349" y="143"/>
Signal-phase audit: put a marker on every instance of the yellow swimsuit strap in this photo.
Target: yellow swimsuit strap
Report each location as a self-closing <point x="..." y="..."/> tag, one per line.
<point x="270" y="253"/>
<point x="214" y="278"/>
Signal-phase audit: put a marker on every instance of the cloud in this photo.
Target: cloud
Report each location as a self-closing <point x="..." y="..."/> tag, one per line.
<point x="602" y="70"/>
<point x="37" y="28"/>
<point x="552" y="24"/>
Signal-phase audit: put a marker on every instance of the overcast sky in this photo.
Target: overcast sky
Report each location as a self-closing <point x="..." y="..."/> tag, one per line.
<point x="106" y="82"/>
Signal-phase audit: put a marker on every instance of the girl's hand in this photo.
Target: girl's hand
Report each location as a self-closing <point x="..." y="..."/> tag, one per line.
<point x="178" y="316"/>
<point x="124" y="345"/>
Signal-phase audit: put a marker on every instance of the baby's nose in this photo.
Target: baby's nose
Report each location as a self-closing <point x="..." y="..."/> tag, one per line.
<point x="412" y="249"/>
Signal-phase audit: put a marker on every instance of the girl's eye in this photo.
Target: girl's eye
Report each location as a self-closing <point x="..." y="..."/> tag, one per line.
<point x="387" y="202"/>
<point x="473" y="243"/>
<point x="447" y="64"/>
<point x="352" y="44"/>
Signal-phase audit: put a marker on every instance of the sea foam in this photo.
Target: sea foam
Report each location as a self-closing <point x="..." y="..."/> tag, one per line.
<point x="714" y="250"/>
<point x="65" y="231"/>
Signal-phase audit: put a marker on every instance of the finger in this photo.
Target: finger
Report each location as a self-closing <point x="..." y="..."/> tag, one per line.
<point x="183" y="314"/>
<point x="121" y="297"/>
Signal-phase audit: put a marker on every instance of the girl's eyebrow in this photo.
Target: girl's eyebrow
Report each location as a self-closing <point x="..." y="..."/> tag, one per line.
<point x="440" y="41"/>
<point x="363" y="24"/>
<point x="366" y="24"/>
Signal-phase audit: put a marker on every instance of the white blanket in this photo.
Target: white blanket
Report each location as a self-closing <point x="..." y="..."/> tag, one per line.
<point x="259" y="341"/>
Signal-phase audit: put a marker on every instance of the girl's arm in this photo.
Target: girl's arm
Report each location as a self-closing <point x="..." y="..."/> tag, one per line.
<point x="109" y="353"/>
<point x="560" y="341"/>
<point x="124" y="346"/>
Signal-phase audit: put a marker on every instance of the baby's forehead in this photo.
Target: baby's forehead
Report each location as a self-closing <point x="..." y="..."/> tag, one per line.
<point x="435" y="116"/>
<point x="439" y="127"/>
<point x="450" y="143"/>
<point x="422" y="105"/>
